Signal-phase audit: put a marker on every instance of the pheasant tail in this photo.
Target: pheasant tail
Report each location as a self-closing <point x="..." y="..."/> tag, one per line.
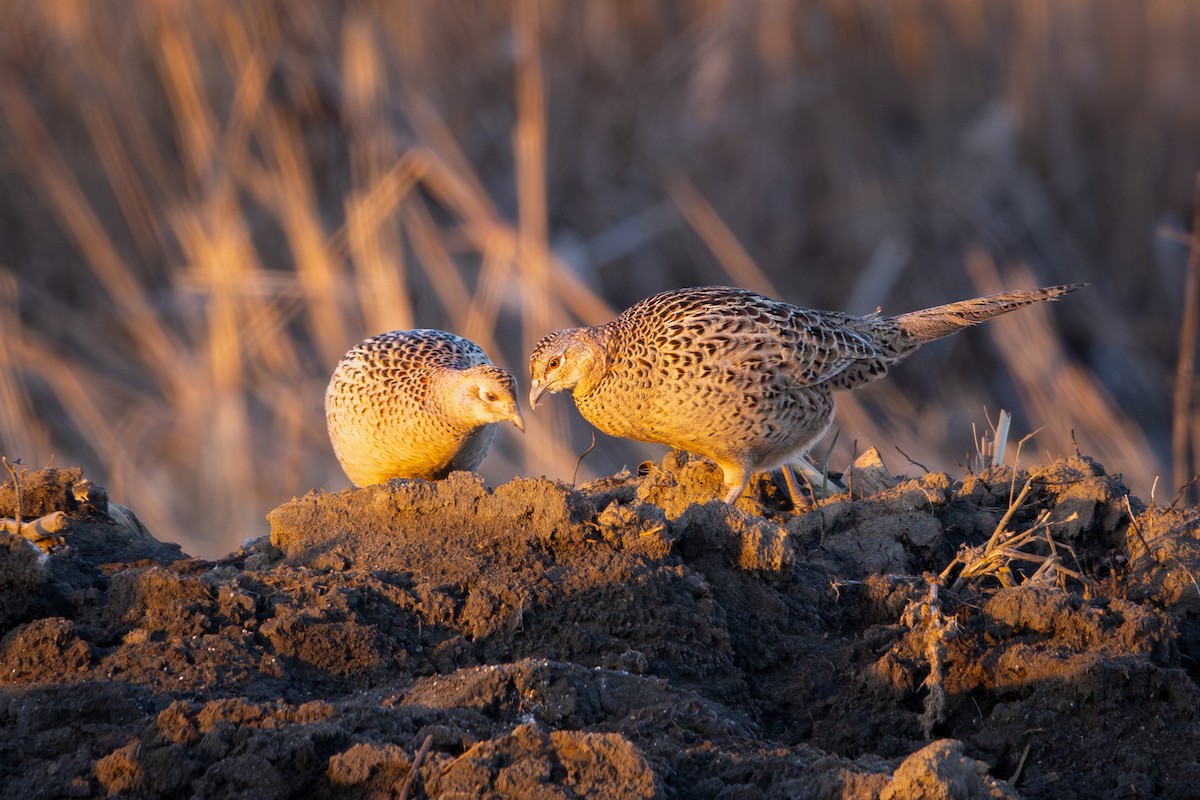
<point x="934" y="323"/>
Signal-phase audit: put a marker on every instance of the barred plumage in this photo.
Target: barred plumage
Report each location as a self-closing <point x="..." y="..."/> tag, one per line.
<point x="416" y="404"/>
<point x="735" y="376"/>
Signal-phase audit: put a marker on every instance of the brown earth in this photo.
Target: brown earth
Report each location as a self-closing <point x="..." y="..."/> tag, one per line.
<point x="632" y="638"/>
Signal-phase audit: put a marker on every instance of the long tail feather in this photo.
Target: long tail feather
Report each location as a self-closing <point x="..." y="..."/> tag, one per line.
<point x="934" y="323"/>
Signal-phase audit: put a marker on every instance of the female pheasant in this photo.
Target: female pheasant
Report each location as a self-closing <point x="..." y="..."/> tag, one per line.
<point x="736" y="376"/>
<point x="416" y="404"/>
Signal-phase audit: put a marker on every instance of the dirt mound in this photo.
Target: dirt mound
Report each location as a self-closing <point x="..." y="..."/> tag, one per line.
<point x="631" y="638"/>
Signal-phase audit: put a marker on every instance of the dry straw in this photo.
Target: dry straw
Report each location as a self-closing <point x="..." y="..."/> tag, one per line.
<point x="207" y="203"/>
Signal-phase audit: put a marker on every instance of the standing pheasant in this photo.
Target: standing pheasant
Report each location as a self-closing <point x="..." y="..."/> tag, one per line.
<point x="416" y="404"/>
<point x="735" y="376"/>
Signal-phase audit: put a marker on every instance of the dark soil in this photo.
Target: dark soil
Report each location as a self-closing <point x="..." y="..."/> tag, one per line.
<point x="632" y="638"/>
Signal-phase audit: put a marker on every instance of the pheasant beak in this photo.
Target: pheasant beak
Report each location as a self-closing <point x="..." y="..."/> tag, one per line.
<point x="517" y="419"/>
<point x="535" y="393"/>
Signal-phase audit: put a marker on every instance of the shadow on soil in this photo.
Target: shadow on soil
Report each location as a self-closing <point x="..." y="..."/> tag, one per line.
<point x="631" y="638"/>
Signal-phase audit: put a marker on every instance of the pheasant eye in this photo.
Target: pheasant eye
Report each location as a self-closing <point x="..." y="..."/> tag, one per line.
<point x="554" y="362"/>
<point x="490" y="397"/>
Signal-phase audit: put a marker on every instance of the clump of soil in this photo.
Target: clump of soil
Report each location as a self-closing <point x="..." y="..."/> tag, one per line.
<point x="632" y="638"/>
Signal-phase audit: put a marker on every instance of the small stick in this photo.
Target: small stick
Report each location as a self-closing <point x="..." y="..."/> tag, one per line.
<point x="1133" y="524"/>
<point x="416" y="765"/>
<point x="978" y="442"/>
<point x="591" y="447"/>
<point x="1017" y="462"/>
<point x="1189" y="574"/>
<point x="946" y="572"/>
<point x="1020" y="765"/>
<point x="911" y="461"/>
<point x="1008" y="515"/>
<point x="12" y="470"/>
<point x="1183" y="492"/>
<point x="1003" y="423"/>
<point x="812" y="492"/>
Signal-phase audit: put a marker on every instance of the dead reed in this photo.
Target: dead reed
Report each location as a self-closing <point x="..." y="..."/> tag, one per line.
<point x="1035" y="545"/>
<point x="204" y="204"/>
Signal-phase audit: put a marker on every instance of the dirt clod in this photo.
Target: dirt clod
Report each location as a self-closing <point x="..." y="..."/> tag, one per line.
<point x="631" y="638"/>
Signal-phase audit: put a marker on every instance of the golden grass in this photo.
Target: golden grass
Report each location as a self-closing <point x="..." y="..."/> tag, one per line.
<point x="206" y="203"/>
<point x="995" y="558"/>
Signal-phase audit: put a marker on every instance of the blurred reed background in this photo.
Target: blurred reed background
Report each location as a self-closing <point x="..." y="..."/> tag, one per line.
<point x="204" y="204"/>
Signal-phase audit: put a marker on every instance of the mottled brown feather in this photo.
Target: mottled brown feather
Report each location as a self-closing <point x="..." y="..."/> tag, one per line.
<point x="412" y="404"/>
<point x="733" y="375"/>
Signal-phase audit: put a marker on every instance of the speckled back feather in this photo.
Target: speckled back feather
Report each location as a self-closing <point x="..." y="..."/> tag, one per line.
<point x="741" y="378"/>
<point x="390" y="411"/>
